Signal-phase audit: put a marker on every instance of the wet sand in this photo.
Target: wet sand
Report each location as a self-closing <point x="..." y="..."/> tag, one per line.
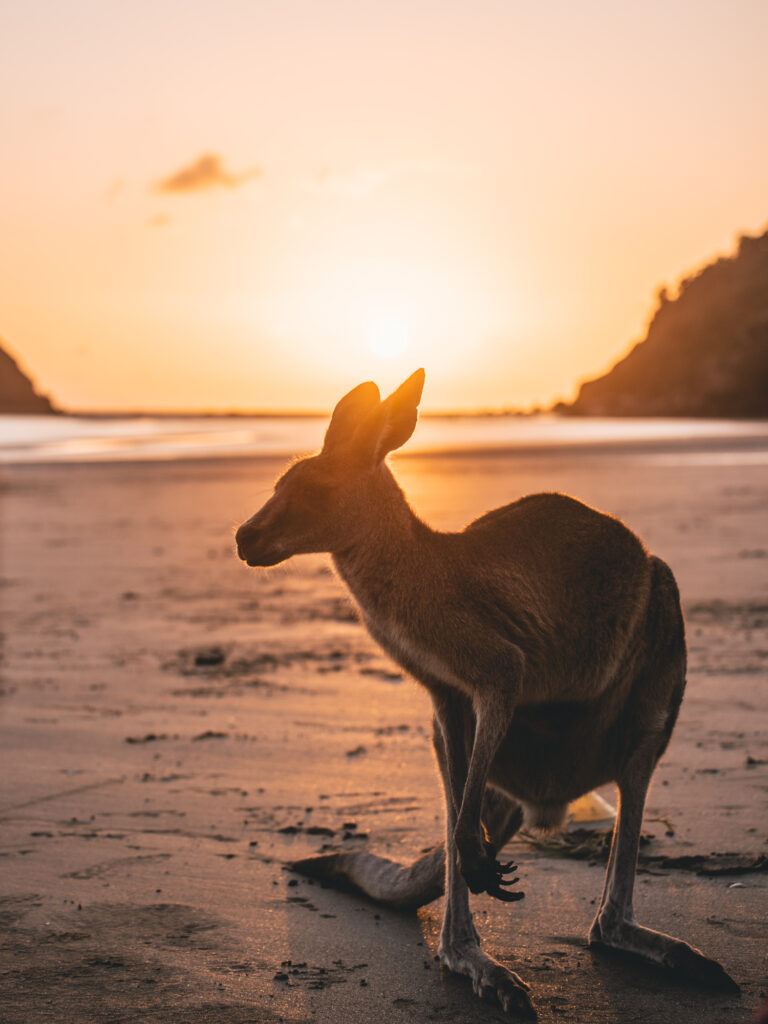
<point x="175" y="728"/>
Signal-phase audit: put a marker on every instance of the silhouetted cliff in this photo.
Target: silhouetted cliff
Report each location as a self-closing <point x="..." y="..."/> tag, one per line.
<point x="706" y="351"/>
<point x="17" y="393"/>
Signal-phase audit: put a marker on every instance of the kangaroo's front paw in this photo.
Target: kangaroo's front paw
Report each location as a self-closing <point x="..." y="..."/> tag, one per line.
<point x="483" y="873"/>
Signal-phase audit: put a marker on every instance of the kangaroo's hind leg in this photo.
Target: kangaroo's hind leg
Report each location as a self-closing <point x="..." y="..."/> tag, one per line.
<point x="615" y="925"/>
<point x="459" y="943"/>
<point x="657" y="697"/>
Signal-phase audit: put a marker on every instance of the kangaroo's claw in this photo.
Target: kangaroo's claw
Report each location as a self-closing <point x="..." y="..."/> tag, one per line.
<point x="504" y="895"/>
<point x="488" y="875"/>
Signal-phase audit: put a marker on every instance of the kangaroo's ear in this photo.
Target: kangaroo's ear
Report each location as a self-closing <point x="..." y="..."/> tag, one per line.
<point x="395" y="420"/>
<point x="360" y="404"/>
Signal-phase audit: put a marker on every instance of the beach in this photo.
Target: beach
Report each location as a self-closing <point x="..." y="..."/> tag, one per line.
<point x="175" y="729"/>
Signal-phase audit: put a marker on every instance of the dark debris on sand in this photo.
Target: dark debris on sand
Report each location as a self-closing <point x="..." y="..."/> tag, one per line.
<point x="595" y="845"/>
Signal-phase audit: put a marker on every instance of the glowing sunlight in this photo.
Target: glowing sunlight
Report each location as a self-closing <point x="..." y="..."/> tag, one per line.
<point x="388" y="335"/>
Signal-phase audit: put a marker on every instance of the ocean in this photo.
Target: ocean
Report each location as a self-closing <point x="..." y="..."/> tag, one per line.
<point x="34" y="439"/>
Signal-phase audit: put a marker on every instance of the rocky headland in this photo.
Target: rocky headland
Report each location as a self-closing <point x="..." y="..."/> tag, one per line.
<point x="17" y="392"/>
<point x="706" y="350"/>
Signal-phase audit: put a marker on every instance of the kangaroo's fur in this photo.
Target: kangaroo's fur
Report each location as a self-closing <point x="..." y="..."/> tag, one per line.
<point x="553" y="647"/>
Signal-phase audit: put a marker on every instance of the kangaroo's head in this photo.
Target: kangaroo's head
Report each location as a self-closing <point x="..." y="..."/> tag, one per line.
<point x="316" y="503"/>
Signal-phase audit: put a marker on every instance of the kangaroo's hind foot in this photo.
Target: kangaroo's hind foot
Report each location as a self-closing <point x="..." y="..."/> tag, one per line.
<point x="658" y="948"/>
<point x="490" y="979"/>
<point x="614" y="926"/>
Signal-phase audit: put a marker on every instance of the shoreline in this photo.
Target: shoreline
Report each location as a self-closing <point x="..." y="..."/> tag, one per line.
<point x="738" y="443"/>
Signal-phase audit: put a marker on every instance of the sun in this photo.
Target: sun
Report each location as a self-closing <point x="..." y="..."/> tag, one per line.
<point x="388" y="335"/>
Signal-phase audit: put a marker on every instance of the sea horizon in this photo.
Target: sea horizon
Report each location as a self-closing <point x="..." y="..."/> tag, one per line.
<point x="152" y="436"/>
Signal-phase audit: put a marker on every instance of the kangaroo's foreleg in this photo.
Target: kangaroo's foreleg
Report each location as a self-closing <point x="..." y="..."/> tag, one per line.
<point x="453" y="731"/>
<point x="615" y="925"/>
<point x="493" y="708"/>
<point x="459" y="948"/>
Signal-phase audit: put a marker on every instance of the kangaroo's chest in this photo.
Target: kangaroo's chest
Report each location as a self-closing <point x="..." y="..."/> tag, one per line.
<point x="413" y="653"/>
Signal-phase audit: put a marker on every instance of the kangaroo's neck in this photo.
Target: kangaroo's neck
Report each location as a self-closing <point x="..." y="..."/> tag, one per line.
<point x="381" y="557"/>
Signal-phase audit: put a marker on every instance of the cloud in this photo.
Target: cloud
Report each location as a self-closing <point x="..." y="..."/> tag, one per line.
<point x="204" y="173"/>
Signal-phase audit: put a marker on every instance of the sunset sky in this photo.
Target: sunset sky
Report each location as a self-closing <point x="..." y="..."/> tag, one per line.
<point x="257" y="204"/>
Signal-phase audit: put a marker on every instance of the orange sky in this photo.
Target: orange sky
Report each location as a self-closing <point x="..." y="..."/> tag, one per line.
<point x="232" y="204"/>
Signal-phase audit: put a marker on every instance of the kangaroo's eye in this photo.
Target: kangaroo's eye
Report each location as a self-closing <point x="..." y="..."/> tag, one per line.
<point x="313" y="495"/>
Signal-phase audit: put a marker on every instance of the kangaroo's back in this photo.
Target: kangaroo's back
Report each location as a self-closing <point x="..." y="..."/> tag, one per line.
<point x="568" y="584"/>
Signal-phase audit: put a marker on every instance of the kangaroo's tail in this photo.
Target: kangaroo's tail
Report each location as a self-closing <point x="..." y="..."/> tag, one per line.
<point x="384" y="881"/>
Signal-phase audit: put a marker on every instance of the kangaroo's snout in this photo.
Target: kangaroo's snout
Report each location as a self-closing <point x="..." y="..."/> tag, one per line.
<point x="245" y="539"/>
<point x="259" y="541"/>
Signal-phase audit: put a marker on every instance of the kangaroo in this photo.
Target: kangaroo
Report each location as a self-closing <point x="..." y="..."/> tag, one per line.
<point x="552" y="646"/>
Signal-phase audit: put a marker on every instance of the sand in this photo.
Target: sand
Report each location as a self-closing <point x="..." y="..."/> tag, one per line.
<point x="175" y="728"/>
